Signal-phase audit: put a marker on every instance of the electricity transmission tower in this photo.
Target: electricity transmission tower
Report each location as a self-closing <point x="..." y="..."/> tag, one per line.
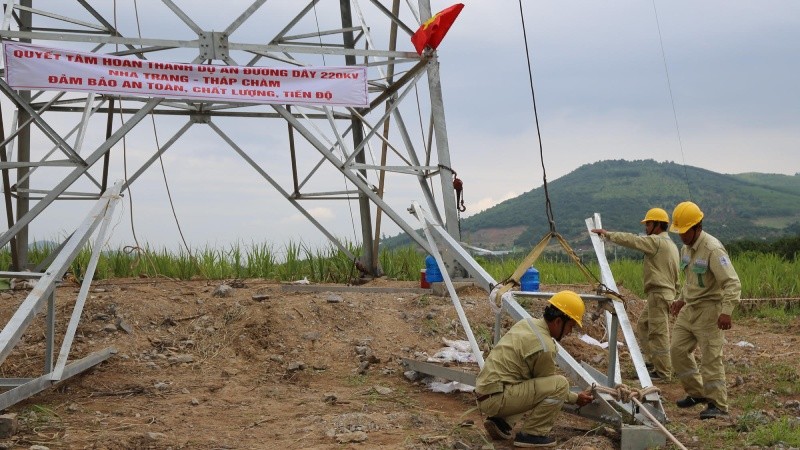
<point x="59" y="146"/>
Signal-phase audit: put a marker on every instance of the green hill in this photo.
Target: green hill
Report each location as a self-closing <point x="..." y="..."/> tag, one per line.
<point x="744" y="206"/>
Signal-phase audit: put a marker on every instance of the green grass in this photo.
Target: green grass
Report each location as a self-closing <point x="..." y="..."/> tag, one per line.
<point x="785" y="430"/>
<point x="762" y="275"/>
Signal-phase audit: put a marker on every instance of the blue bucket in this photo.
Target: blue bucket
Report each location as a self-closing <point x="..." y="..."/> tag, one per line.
<point x="432" y="272"/>
<point x="530" y="280"/>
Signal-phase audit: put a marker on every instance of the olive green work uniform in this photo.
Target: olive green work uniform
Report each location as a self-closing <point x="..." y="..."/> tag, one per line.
<point x="711" y="288"/>
<point x="520" y="376"/>
<point x="661" y="284"/>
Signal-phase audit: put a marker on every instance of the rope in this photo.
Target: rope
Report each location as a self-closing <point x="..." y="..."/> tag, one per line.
<point x="672" y="101"/>
<point x="626" y="394"/>
<point x="548" y="205"/>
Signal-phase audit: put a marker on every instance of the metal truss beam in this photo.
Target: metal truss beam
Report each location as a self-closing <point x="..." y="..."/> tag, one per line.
<point x="44" y="293"/>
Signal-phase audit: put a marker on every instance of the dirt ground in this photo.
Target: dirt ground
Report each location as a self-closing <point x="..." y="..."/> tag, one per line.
<point x="265" y="367"/>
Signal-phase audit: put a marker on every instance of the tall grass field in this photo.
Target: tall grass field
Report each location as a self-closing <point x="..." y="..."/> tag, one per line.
<point x="762" y="275"/>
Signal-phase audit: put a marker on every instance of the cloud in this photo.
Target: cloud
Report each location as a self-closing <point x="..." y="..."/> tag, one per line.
<point x="486" y="203"/>
<point x="319" y="213"/>
<point x="601" y="88"/>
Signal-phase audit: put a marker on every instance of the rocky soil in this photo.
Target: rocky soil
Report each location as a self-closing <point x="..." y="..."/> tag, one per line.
<point x="258" y="365"/>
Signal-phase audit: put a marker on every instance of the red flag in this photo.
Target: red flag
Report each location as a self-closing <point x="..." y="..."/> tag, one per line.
<point x="431" y="33"/>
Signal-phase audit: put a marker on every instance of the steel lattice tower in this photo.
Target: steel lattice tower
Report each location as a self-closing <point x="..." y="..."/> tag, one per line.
<point x="371" y="147"/>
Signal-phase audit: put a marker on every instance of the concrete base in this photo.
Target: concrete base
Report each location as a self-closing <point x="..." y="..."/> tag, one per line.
<point x="640" y="437"/>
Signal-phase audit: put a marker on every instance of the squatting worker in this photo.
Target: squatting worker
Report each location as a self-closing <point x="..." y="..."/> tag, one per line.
<point x="661" y="284"/>
<point x="711" y="290"/>
<point x="519" y="375"/>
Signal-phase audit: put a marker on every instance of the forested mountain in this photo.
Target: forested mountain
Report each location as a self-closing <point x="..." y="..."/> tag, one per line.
<point x="743" y="206"/>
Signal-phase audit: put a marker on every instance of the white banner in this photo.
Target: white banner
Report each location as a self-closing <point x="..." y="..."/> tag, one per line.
<point x="35" y="67"/>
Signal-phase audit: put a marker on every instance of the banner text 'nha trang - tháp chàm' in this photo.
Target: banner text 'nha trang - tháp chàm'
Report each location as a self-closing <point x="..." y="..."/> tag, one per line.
<point x="31" y="67"/>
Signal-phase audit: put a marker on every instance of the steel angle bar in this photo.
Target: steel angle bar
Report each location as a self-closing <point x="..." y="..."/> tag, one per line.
<point x="55" y="162"/>
<point x="392" y="17"/>
<point x="331" y="145"/>
<point x="570" y="365"/>
<point x="473" y="268"/>
<point x="19" y="127"/>
<point x="60" y="17"/>
<point x="37" y="385"/>
<point x="353" y="177"/>
<point x="311" y="172"/>
<point x="50" y="106"/>
<point x="442" y="148"/>
<point x="99" y="39"/>
<point x="314" y="195"/>
<point x="13" y="382"/>
<point x="434" y="251"/>
<point x="619" y="308"/>
<point x="7" y="15"/>
<point x="377" y="132"/>
<point x="408" y="170"/>
<point x="547" y="295"/>
<point x="293" y="22"/>
<point x="280" y="189"/>
<point x="146" y="165"/>
<point x="439" y="371"/>
<point x="295" y="37"/>
<point x="88" y="110"/>
<point x="410" y="77"/>
<point x="50" y="331"/>
<point x="140" y="51"/>
<point x="612" y="325"/>
<point x="337" y="135"/>
<point x="72" y="327"/>
<point x="368" y="36"/>
<point x="426" y="189"/>
<point x="183" y="16"/>
<point x="244" y="16"/>
<point x="385" y="116"/>
<point x="77" y="172"/>
<point x="112" y="30"/>
<point x="44" y="126"/>
<point x="13" y="330"/>
<point x="5" y="274"/>
<point x="315" y="50"/>
<point x="75" y="194"/>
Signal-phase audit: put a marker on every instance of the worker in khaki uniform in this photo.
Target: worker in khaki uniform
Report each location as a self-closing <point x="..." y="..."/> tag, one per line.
<point x="519" y="375"/>
<point x="710" y="292"/>
<point x="661" y="284"/>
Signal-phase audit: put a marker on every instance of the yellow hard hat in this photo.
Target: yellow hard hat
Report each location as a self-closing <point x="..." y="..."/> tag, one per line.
<point x="656" y="215"/>
<point x="570" y="304"/>
<point x="685" y="216"/>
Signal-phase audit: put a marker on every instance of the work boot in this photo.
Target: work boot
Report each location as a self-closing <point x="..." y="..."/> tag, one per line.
<point x="528" y="440"/>
<point x="658" y="376"/>
<point x="712" y="412"/>
<point x="497" y="428"/>
<point x="655" y="376"/>
<point x="690" y="401"/>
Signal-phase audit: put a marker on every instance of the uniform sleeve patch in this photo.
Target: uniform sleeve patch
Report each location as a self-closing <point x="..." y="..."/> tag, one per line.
<point x="724" y="261"/>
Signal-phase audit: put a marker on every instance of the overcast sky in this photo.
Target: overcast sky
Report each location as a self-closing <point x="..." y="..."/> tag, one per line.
<point x="601" y="83"/>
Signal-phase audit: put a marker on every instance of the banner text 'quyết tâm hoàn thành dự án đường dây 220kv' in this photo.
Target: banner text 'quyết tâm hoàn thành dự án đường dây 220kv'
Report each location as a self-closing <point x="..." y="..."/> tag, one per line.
<point x="34" y="67"/>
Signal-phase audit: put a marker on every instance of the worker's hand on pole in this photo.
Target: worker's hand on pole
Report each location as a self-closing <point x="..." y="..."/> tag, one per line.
<point x="584" y="398"/>
<point x="601" y="232"/>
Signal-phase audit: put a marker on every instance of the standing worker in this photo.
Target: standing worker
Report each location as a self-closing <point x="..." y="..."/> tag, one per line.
<point x="661" y="283"/>
<point x="519" y="375"/>
<point x="710" y="292"/>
